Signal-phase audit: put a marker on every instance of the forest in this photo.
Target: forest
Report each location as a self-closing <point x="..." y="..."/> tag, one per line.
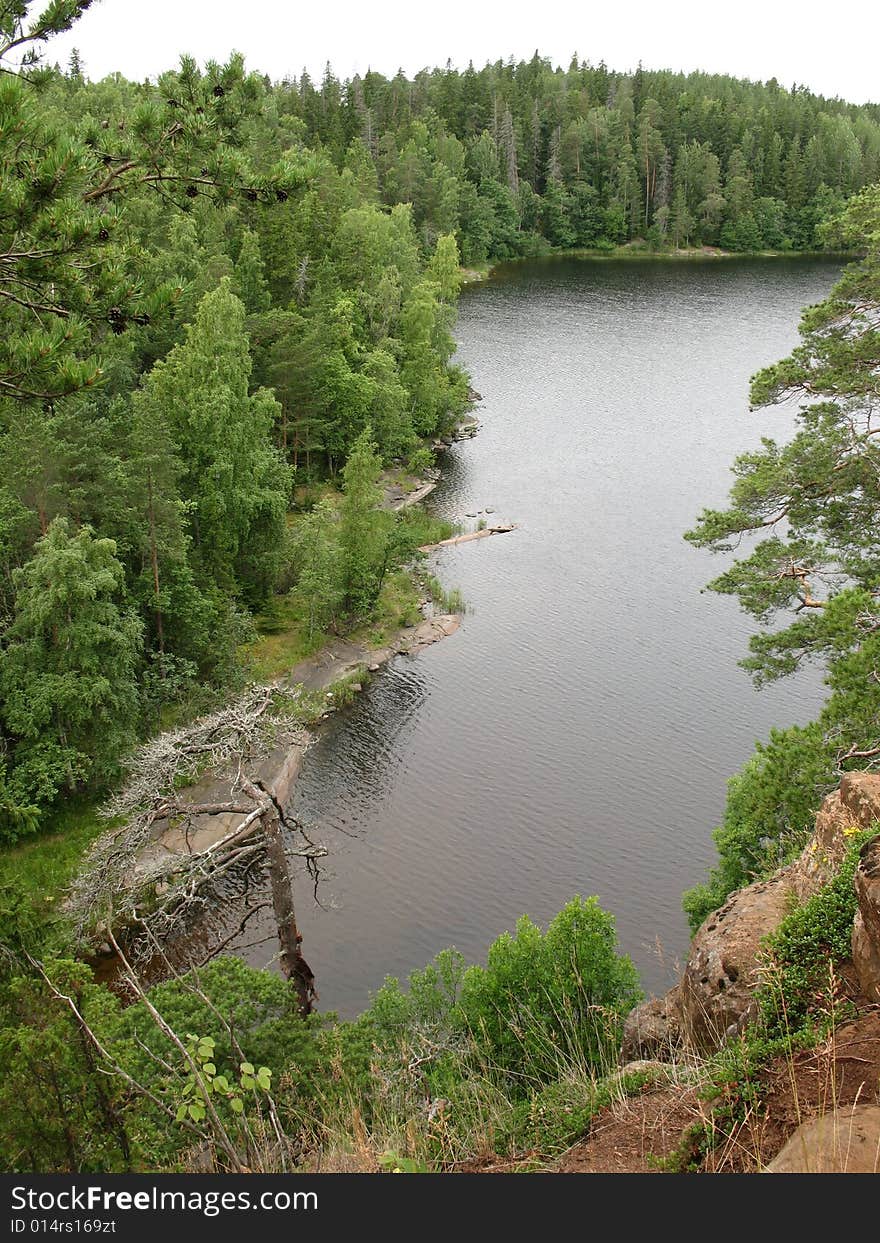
<point x="283" y="260"/>
<point x="226" y="312"/>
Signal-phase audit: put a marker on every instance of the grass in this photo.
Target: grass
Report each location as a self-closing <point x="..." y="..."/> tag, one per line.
<point x="282" y="643"/>
<point x="446" y="601"/>
<point x="399" y="1122"/>
<point x="312" y="705"/>
<point x="307" y="495"/>
<point x="421" y="528"/>
<point x="44" y="865"/>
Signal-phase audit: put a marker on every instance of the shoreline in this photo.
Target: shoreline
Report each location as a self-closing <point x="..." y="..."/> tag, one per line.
<point x="338" y="671"/>
<point x="479" y="275"/>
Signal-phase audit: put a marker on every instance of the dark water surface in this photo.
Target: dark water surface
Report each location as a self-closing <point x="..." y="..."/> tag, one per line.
<point x="576" y="735"/>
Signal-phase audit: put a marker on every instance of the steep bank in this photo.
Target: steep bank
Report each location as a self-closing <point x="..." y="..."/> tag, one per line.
<point x="812" y="1106"/>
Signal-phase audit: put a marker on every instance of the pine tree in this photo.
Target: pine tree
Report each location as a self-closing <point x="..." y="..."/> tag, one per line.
<point x="507" y="145"/>
<point x="249" y="280"/>
<point x="67" y="277"/>
<point x="813" y="506"/>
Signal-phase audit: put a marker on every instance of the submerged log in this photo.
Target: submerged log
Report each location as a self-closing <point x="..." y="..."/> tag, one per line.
<point x="500" y="529"/>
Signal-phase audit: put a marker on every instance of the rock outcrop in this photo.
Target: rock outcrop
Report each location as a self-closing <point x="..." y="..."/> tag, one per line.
<point x="715" y="997"/>
<point x="846" y="1141"/>
<point x="718" y="983"/>
<point x="866" y="929"/>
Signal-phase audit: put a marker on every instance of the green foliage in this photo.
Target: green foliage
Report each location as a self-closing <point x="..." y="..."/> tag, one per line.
<point x="196" y="306"/>
<point x="522" y="156"/>
<point x="59" y="1112"/>
<point x="516" y="1050"/>
<point x="320" y="581"/>
<point x="237" y="484"/>
<point x="68" y="671"/>
<point x="365" y="529"/>
<point x="203" y="1084"/>
<point x="542" y="1002"/>
<point x="770" y="808"/>
<point x="807" y="513"/>
<point x="798" y="989"/>
<point x="543" y="998"/>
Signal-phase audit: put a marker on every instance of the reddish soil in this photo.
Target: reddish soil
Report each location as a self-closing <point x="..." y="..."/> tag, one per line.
<point x="844" y="1070"/>
<point x="635" y="1135"/>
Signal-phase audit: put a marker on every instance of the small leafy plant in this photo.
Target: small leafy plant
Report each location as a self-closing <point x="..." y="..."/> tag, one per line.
<point x="205" y="1082"/>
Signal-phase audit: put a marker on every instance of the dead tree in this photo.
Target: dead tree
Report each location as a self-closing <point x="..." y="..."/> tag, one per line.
<point x="134" y="881"/>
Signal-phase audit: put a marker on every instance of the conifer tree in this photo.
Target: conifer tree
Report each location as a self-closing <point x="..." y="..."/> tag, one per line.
<point x="233" y="478"/>
<point x="68" y="673"/>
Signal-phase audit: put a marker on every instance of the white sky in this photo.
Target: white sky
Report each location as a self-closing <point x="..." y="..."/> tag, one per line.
<point x="832" y="47"/>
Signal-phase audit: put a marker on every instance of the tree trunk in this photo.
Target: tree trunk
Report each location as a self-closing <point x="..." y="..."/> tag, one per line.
<point x="293" y="966"/>
<point x="154" y="560"/>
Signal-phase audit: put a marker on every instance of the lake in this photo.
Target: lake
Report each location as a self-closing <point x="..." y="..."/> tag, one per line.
<point x="575" y="736"/>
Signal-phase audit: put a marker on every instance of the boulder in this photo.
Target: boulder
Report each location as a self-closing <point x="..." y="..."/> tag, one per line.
<point x="844" y="1142"/>
<point x="719" y="979"/>
<point x="866" y="928"/>
<point x="652" y="1030"/>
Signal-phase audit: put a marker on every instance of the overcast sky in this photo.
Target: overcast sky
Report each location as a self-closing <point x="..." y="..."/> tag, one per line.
<point x="831" y="47"/>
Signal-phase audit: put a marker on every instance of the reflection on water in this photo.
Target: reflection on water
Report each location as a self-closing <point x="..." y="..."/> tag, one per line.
<point x="576" y="734"/>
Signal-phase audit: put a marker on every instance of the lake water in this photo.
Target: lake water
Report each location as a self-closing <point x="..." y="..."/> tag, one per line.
<point x="576" y="734"/>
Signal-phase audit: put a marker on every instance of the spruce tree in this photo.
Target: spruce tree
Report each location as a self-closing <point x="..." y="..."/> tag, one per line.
<point x="233" y="478"/>
<point x="68" y="673"/>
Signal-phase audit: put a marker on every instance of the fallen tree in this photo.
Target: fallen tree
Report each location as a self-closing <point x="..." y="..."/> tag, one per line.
<point x="146" y="879"/>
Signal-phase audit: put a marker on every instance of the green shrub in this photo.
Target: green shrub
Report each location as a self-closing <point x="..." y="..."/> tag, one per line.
<point x="798" y="990"/>
<point x="769" y="813"/>
<point x="546" y="1002"/>
<point x="419" y="461"/>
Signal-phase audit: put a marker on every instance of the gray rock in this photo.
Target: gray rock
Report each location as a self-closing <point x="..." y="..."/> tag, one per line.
<point x="652" y="1030"/>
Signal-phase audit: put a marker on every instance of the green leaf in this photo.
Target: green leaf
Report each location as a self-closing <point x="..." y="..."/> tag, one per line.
<point x="246" y="1068"/>
<point x="247" y="1082"/>
<point x="197" y="1112"/>
<point x="236" y="1105"/>
<point x="181" y="1113"/>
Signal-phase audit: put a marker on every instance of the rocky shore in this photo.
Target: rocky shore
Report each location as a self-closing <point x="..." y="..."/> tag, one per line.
<point x="821" y="1107"/>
